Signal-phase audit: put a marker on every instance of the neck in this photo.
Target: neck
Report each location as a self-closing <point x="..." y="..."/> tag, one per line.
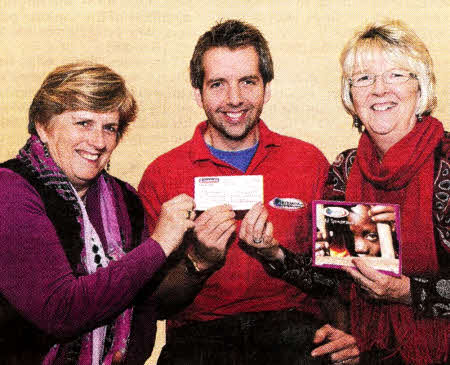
<point x="219" y="141"/>
<point x="384" y="142"/>
<point x="81" y="190"/>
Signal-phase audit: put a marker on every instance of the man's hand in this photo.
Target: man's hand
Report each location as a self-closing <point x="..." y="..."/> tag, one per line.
<point x="340" y="346"/>
<point x="257" y="231"/>
<point x="213" y="228"/>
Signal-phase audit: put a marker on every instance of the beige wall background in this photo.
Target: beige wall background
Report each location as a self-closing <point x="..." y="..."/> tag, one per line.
<point x="150" y="43"/>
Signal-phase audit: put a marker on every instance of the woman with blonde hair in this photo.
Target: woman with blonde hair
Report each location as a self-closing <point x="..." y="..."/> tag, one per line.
<point x="74" y="247"/>
<point x="402" y="158"/>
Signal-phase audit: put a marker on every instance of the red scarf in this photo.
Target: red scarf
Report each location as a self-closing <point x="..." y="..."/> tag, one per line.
<point x="404" y="177"/>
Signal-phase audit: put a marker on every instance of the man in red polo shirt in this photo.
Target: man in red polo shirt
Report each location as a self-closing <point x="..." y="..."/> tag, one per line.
<point x="228" y="292"/>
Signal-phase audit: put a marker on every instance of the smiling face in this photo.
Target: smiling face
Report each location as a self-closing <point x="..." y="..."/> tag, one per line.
<point x="387" y="111"/>
<point x="232" y="96"/>
<point x="81" y="143"/>
<point x="364" y="231"/>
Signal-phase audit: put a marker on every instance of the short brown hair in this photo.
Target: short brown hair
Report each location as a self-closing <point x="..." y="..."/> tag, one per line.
<point x="82" y="86"/>
<point x="232" y="34"/>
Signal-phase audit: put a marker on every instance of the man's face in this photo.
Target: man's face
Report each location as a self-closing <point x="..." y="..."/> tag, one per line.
<point x="365" y="232"/>
<point x="233" y="96"/>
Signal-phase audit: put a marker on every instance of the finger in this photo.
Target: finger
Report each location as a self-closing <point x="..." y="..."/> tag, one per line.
<point x="225" y="236"/>
<point x="345" y="355"/>
<point x="220" y="218"/>
<point x="368" y="271"/>
<point x="213" y="212"/>
<point x="268" y="234"/>
<point x="252" y="215"/>
<point x="384" y="217"/>
<point x="212" y="233"/>
<point x="377" y="209"/>
<point x="181" y="198"/>
<point x="342" y="343"/>
<point x="322" y="333"/>
<point x="260" y="224"/>
<point x="358" y="277"/>
<point x="189" y="225"/>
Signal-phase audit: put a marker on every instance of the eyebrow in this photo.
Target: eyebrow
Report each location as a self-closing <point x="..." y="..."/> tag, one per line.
<point x="220" y="79"/>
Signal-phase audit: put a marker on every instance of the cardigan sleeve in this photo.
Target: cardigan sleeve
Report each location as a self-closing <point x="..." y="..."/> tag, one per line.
<point x="36" y="277"/>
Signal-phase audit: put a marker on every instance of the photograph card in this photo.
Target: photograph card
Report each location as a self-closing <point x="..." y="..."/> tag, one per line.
<point x="346" y="230"/>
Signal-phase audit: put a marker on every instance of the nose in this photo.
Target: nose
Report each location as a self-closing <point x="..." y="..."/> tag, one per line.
<point x="379" y="86"/>
<point x="234" y="95"/>
<point x="97" y="139"/>
<point x="360" y="245"/>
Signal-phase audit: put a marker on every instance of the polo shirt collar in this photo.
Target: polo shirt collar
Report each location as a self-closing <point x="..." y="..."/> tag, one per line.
<point x="200" y="151"/>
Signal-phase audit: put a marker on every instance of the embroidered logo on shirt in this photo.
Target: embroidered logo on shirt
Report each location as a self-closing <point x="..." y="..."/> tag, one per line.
<point x="286" y="203"/>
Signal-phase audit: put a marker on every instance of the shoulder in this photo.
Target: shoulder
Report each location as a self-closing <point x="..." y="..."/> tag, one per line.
<point x="446" y="146"/>
<point x="16" y="192"/>
<point x="299" y="149"/>
<point x="12" y="182"/>
<point x="343" y="162"/>
<point x="175" y="157"/>
<point x="338" y="174"/>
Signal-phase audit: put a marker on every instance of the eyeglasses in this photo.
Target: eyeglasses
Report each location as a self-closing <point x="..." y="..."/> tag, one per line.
<point x="395" y="77"/>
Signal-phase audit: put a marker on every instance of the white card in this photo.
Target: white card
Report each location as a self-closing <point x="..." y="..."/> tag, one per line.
<point x="241" y="192"/>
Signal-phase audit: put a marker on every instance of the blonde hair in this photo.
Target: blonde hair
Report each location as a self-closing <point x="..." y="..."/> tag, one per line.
<point x="399" y="45"/>
<point x="82" y="86"/>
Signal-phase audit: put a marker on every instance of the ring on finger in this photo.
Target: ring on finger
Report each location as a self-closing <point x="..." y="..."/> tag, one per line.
<point x="257" y="240"/>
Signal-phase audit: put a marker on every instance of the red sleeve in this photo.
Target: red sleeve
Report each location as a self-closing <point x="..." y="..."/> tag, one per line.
<point x="36" y="277"/>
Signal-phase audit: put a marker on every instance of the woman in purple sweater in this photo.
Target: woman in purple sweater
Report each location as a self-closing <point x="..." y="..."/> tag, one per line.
<point x="75" y="259"/>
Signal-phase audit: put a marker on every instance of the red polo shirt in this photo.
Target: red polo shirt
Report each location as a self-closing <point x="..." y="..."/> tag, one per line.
<point x="292" y="169"/>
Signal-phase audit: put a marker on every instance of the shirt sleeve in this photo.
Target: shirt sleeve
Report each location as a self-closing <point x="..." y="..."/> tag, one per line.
<point x="36" y="277"/>
<point x="431" y="296"/>
<point x="296" y="269"/>
<point x="152" y="194"/>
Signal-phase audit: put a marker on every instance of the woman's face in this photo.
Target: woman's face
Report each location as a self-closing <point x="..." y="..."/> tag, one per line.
<point x="81" y="143"/>
<point x="364" y="231"/>
<point x="386" y="110"/>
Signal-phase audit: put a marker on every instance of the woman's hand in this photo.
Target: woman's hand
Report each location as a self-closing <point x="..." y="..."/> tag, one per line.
<point x="380" y="286"/>
<point x="257" y="231"/>
<point x="341" y="347"/>
<point x="176" y="217"/>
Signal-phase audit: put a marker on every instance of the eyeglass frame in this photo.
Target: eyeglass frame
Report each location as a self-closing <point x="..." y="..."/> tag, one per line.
<point x="411" y="75"/>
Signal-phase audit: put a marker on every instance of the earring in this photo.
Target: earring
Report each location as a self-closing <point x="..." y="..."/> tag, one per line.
<point x="419" y="117"/>
<point x="357" y="123"/>
<point x="108" y="166"/>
